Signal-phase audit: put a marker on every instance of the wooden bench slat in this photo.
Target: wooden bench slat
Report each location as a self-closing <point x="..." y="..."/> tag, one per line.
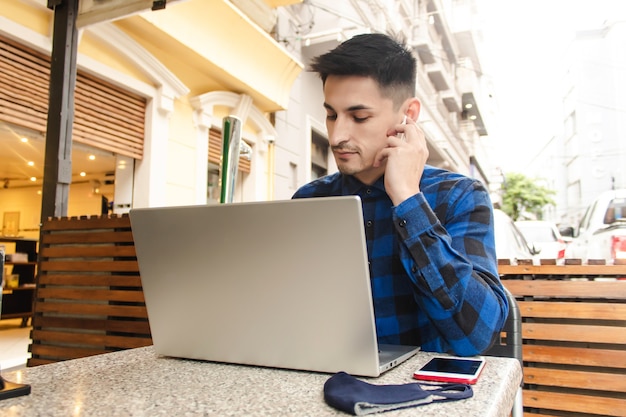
<point x="85" y="323"/>
<point x="54" y="353"/>
<point x="83" y="266"/>
<point x="87" y="237"/>
<point x="90" y="294"/>
<point x="131" y="281"/>
<point x="601" y="381"/>
<point x="88" y="251"/>
<point x="91" y="339"/>
<point x="85" y="223"/>
<point x="575" y="356"/>
<point x="539" y="415"/>
<point x="563" y="270"/>
<point x="574" y="403"/>
<point x="36" y="361"/>
<point x="91" y="309"/>
<point x="568" y="289"/>
<point x="574" y="333"/>
<point x="573" y="310"/>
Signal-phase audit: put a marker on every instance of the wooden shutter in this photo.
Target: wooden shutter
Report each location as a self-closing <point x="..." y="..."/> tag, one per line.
<point x="105" y="116"/>
<point x="215" y="151"/>
<point x="24" y="78"/>
<point x="108" y="118"/>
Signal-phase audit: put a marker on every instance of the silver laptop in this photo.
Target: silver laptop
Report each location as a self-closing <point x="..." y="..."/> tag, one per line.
<point x="280" y="284"/>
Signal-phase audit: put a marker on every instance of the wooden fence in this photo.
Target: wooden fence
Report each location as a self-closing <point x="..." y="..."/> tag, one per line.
<point x="574" y="337"/>
<point x="89" y="298"/>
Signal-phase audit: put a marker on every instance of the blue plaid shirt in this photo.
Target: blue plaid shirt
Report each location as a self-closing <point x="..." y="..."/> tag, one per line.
<point x="433" y="266"/>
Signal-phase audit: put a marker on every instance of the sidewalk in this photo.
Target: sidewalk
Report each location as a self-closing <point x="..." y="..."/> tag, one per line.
<point x="14" y="341"/>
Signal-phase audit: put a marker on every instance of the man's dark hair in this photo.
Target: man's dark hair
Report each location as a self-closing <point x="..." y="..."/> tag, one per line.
<point x="389" y="62"/>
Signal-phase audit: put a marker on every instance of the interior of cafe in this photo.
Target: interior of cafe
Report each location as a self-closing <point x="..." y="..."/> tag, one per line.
<point x="92" y="192"/>
<point x="21" y="178"/>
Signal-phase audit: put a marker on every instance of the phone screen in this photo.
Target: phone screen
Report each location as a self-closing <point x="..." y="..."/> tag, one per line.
<point x="453" y="366"/>
<point x="451" y="369"/>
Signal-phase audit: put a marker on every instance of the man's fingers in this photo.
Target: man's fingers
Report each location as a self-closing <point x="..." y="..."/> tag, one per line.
<point x="380" y="157"/>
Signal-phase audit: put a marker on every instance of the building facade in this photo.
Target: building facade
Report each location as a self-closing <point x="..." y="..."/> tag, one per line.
<point x="450" y="85"/>
<point x="154" y="86"/>
<point x="593" y="151"/>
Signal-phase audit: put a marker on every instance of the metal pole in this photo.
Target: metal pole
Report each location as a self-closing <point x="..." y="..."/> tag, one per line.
<point x="57" y="174"/>
<point x="231" y="141"/>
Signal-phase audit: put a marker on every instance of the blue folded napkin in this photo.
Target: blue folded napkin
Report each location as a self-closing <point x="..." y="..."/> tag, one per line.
<point x="346" y="393"/>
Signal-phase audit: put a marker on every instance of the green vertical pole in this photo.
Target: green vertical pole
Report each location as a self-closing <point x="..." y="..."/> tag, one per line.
<point x="231" y="141"/>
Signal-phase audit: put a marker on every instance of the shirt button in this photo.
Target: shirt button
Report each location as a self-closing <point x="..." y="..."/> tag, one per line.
<point x="369" y="191"/>
<point x="402" y="223"/>
<point x="369" y="223"/>
<point x="414" y="269"/>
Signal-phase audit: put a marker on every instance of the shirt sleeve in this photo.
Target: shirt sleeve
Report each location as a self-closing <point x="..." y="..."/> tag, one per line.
<point x="449" y="254"/>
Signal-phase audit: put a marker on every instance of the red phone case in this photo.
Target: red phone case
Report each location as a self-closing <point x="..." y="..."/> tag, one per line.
<point x="443" y="376"/>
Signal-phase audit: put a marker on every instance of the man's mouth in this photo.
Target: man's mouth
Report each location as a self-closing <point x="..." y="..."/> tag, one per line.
<point x="345" y="152"/>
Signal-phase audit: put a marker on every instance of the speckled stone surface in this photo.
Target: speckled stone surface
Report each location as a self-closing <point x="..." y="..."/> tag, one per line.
<point x="138" y="382"/>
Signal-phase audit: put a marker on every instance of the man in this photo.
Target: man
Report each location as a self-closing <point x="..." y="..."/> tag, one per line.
<point x="430" y="237"/>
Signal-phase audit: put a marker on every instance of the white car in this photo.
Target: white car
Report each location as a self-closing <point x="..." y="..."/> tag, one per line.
<point x="601" y="233"/>
<point x="544" y="236"/>
<point x="510" y="243"/>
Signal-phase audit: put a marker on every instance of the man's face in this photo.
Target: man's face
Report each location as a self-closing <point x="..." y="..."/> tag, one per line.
<point x="358" y="119"/>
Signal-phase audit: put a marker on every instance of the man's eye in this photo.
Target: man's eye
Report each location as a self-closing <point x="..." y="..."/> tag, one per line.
<point x="331" y="117"/>
<point x="360" y="119"/>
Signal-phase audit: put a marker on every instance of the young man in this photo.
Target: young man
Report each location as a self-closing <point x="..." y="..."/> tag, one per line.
<point x="430" y="237"/>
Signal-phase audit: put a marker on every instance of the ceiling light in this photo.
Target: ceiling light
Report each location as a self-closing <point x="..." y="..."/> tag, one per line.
<point x="92" y="157"/>
<point x="33" y="179"/>
<point x="31" y="164"/>
<point x="82" y="174"/>
<point x="24" y="140"/>
<point x="473" y="117"/>
<point x="469" y="106"/>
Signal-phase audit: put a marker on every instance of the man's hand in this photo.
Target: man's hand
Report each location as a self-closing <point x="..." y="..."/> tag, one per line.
<point x="405" y="159"/>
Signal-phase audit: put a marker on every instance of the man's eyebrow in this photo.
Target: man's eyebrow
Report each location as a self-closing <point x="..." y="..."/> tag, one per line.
<point x="356" y="107"/>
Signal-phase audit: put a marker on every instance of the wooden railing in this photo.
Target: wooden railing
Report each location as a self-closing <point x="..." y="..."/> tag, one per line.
<point x="89" y="298"/>
<point x="574" y="337"/>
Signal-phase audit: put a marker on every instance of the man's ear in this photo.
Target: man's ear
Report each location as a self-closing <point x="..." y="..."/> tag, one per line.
<point x="413" y="108"/>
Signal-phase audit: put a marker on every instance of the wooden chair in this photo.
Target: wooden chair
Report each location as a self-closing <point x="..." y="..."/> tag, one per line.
<point x="89" y="299"/>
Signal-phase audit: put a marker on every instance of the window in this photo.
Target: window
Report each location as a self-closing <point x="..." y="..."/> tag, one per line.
<point x="319" y="155"/>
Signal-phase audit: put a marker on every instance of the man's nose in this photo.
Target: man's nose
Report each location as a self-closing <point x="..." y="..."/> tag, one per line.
<point x="338" y="132"/>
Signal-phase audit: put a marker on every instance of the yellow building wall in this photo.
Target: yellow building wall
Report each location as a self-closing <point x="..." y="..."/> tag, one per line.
<point x="103" y="53"/>
<point x="33" y="18"/>
<point x="182" y="161"/>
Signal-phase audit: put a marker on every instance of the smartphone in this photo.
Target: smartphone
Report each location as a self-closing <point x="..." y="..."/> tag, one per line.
<point x="451" y="369"/>
<point x="401" y="135"/>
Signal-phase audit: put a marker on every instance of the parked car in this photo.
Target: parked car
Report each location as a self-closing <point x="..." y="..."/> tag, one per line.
<point x="510" y="242"/>
<point x="544" y="236"/>
<point x="601" y="233"/>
